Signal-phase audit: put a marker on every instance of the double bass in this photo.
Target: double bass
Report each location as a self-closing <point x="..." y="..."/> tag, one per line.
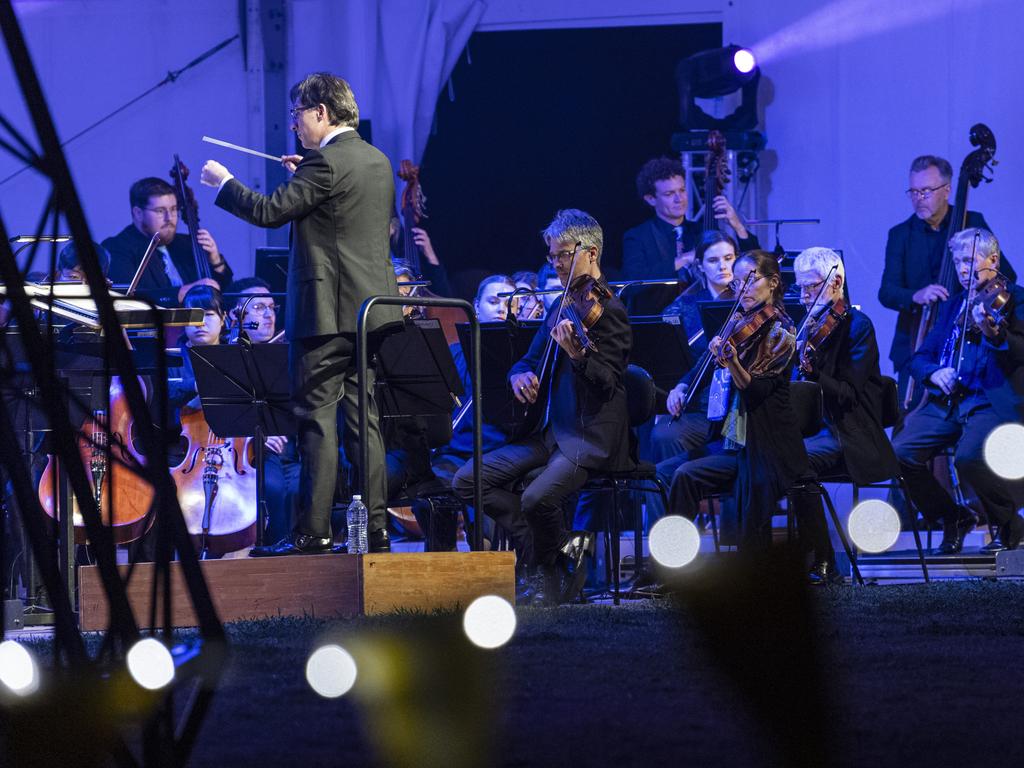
<point x="972" y="173"/>
<point x="716" y="178"/>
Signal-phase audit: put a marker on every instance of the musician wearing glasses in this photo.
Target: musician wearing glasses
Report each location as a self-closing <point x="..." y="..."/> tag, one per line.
<point x="154" y="208"/>
<point x="837" y="349"/>
<point x="973" y="364"/>
<point x="914" y="252"/>
<point x="339" y="203"/>
<point x="581" y="419"/>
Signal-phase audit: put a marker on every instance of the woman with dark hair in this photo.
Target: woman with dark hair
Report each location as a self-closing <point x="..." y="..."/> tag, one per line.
<point x="181" y="384"/>
<point x="760" y="452"/>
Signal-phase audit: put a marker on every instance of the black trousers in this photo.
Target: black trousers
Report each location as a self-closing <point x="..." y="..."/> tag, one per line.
<point x="825" y="457"/>
<point x="672" y="444"/>
<point x="534" y="518"/>
<point x="324" y="376"/>
<point x="280" y="488"/>
<point x="931" y="430"/>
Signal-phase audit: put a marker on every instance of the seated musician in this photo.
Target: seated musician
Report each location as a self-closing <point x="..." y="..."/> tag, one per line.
<point x="527" y="307"/>
<point x="914" y="253"/>
<point x="69" y="269"/>
<point x="582" y="422"/>
<point x="547" y="280"/>
<point x="447" y="460"/>
<point x="973" y="390"/>
<point x="683" y="435"/>
<point x="154" y="208"/>
<point x="845" y="364"/>
<point x="181" y="385"/>
<point x="663" y="246"/>
<point x="255" y="314"/>
<point x="761" y="452"/>
<point x="431" y="268"/>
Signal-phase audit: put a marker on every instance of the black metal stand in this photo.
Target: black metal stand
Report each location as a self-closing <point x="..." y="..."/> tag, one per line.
<point x="245" y="392"/>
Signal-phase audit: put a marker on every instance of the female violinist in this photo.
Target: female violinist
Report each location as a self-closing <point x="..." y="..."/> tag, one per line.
<point x="683" y="436"/>
<point x="761" y="452"/>
<point x="836" y="347"/>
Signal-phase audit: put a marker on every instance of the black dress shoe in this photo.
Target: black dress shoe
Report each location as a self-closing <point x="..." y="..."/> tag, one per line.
<point x="1012" y="533"/>
<point x="996" y="545"/>
<point x="296" y="544"/>
<point x="379" y="541"/>
<point x="823" y="573"/>
<point x="953" y="537"/>
<point x="572" y="556"/>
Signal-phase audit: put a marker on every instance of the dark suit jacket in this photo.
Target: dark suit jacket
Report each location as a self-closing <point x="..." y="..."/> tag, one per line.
<point x="852" y="389"/>
<point x="1003" y="375"/>
<point x="907" y="270"/>
<point x="339" y="203"/>
<point x="588" y="413"/>
<point x="127" y="248"/>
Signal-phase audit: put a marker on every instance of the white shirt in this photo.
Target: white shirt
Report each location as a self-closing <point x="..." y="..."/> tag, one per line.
<point x="323" y="143"/>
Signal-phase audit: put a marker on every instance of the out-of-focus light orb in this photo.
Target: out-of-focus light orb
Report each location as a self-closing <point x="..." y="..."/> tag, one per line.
<point x="1004" y="451"/>
<point x="674" y="541"/>
<point x="489" y="621"/>
<point x="150" y="664"/>
<point x="874" y="525"/>
<point x="744" y="61"/>
<point x="331" y="671"/>
<point x="18" y="669"/>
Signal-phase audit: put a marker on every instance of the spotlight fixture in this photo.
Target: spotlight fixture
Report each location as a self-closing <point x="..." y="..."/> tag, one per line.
<point x="712" y="74"/>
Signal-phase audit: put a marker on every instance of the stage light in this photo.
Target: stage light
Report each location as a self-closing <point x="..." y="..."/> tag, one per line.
<point x="744" y="61"/>
<point x="674" y="541"/>
<point x="331" y="671"/>
<point x="489" y="621"/>
<point x="874" y="525"/>
<point x="1004" y="451"/>
<point x="150" y="664"/>
<point x="18" y="669"/>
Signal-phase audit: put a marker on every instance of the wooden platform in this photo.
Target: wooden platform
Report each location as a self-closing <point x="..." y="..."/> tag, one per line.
<point x="315" y="585"/>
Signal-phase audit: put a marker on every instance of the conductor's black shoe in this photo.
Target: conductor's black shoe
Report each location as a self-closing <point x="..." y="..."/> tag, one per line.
<point x="380" y="541"/>
<point x="295" y="544"/>
<point x="996" y="545"/>
<point x="1013" y="532"/>
<point x="823" y="573"/>
<point x="953" y="537"/>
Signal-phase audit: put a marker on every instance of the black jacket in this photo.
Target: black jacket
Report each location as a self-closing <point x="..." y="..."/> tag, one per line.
<point x="851" y="386"/>
<point x="127" y="248"/>
<point x="1003" y="375"/>
<point x="908" y="268"/>
<point x="339" y="202"/>
<point x="588" y="413"/>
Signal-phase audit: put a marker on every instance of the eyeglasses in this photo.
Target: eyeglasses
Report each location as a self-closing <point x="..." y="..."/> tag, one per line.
<point x="810" y="287"/>
<point x="260" y="307"/>
<point x="562" y="257"/>
<point x="164" y="213"/>
<point x="924" y="192"/>
<point x="294" y="112"/>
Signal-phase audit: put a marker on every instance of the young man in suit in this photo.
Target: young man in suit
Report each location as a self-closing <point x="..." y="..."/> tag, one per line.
<point x="339" y="204"/>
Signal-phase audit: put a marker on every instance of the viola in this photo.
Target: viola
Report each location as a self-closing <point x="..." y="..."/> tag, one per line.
<point x="816" y="331"/>
<point x="123" y="496"/>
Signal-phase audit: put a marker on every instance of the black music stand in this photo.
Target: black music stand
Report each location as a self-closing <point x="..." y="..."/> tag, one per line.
<point x="416" y="375"/>
<point x="245" y="392"/>
<point x="713" y="314"/>
<point x="661" y="348"/>
<point x="502" y="344"/>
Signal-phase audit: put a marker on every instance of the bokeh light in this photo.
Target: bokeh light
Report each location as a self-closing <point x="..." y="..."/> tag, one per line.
<point x="744" y="61"/>
<point x="1004" y="451"/>
<point x="874" y="525"/>
<point x="18" y="669"/>
<point x="489" y="621"/>
<point x="150" y="664"/>
<point x="674" y="541"/>
<point x="331" y="671"/>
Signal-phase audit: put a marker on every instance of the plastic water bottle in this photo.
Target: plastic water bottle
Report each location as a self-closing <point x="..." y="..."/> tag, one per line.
<point x="357" y="521"/>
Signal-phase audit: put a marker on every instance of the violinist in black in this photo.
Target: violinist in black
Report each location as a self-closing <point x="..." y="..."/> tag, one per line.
<point x="837" y="349"/>
<point x="680" y="436"/>
<point x="761" y="452"/>
<point x="973" y="363"/>
<point x="579" y="397"/>
<point x="154" y="208"/>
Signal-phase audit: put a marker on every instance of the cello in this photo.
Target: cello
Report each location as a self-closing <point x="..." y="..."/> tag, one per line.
<point x="972" y="173"/>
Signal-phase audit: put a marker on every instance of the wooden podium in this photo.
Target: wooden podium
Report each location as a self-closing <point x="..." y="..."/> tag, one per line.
<point x="324" y="586"/>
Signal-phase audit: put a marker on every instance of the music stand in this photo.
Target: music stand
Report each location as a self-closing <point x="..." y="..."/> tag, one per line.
<point x="245" y="392"/>
<point x="661" y="348"/>
<point x="416" y="375"/>
<point x="502" y="344"/>
<point x="713" y="314"/>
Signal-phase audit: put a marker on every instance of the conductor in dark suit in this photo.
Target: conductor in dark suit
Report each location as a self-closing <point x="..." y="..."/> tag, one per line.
<point x="339" y="204"/>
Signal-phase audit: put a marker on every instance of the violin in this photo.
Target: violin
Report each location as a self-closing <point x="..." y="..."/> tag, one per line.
<point x="816" y="331"/>
<point x="122" y="495"/>
<point x="529" y="307"/>
<point x="583" y="304"/>
<point x="743" y="328"/>
<point x="993" y="295"/>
